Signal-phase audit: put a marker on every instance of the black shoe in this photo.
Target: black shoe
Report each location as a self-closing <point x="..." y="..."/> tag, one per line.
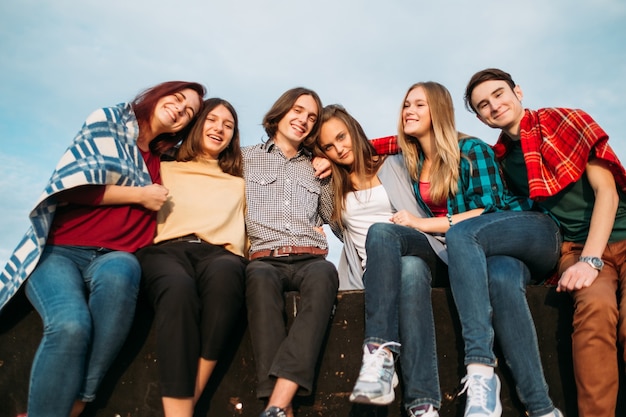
<point x="273" y="412"/>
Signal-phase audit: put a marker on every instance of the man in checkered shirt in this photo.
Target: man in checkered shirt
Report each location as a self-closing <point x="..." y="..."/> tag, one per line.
<point x="287" y="206"/>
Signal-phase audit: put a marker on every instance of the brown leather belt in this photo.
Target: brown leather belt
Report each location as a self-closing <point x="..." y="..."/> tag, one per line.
<point x="289" y="250"/>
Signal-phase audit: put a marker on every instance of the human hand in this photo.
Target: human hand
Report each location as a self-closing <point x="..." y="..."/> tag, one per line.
<point x="153" y="196"/>
<point x="321" y="167"/>
<point x="404" y="218"/>
<point x="577" y="276"/>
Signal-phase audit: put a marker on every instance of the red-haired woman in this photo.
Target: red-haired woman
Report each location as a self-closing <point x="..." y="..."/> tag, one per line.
<point x="98" y="208"/>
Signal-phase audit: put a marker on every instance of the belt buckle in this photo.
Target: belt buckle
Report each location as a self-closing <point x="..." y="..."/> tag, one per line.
<point x="275" y="253"/>
<point x="196" y="240"/>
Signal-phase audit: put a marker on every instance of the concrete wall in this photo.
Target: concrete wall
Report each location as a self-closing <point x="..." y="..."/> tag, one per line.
<point x="131" y="388"/>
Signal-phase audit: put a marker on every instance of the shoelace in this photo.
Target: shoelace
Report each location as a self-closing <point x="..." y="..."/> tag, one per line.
<point x="477" y="389"/>
<point x="373" y="363"/>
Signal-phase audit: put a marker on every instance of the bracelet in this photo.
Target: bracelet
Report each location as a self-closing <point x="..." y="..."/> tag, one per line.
<point x="449" y="216"/>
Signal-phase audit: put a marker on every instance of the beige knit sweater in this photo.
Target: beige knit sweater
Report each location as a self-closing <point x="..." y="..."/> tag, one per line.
<point x="205" y="201"/>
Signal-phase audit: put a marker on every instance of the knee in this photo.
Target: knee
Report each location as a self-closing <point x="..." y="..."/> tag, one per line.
<point x="460" y="232"/>
<point x="507" y="273"/>
<point x="377" y="234"/>
<point x="75" y="330"/>
<point x="416" y="274"/>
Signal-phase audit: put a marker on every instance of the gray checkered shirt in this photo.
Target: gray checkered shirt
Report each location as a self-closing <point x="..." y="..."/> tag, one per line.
<point x="284" y="199"/>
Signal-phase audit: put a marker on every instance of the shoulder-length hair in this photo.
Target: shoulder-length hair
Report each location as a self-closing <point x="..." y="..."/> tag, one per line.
<point x="145" y="102"/>
<point x="444" y="170"/>
<point x="366" y="160"/>
<point x="282" y="106"/>
<point x="230" y="159"/>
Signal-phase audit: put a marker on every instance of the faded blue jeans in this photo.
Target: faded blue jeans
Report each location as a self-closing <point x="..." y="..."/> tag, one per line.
<point x="398" y="307"/>
<point x="86" y="299"/>
<point x="491" y="259"/>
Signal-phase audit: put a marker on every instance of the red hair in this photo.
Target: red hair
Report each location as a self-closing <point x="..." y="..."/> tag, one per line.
<point x="145" y="102"/>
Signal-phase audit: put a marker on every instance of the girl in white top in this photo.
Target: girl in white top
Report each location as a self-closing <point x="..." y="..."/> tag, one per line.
<point x="369" y="189"/>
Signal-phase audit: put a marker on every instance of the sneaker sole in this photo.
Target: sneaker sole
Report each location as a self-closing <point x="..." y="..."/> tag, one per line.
<point x="364" y="399"/>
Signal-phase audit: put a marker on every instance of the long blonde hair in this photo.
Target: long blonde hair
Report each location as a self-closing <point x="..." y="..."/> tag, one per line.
<point x="444" y="170"/>
<point x="366" y="160"/>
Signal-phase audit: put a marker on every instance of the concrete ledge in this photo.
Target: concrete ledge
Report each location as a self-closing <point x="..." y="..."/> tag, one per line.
<point x="131" y="388"/>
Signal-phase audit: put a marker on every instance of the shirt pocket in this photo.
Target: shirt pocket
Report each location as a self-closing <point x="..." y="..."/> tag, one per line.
<point x="310" y="191"/>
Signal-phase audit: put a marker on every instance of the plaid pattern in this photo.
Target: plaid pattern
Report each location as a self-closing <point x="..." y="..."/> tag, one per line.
<point x="480" y="179"/>
<point x="103" y="152"/>
<point x="285" y="202"/>
<point x="480" y="182"/>
<point x="387" y="145"/>
<point x="557" y="143"/>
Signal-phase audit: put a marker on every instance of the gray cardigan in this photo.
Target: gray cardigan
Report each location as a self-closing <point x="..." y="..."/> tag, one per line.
<point x="399" y="187"/>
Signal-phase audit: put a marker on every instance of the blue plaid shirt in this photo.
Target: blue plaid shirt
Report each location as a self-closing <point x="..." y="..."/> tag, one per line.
<point x="480" y="183"/>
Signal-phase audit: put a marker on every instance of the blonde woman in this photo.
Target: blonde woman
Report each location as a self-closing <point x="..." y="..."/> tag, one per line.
<point x="460" y="183"/>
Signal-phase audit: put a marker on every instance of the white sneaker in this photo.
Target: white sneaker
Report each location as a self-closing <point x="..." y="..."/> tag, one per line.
<point x="483" y="396"/>
<point x="377" y="377"/>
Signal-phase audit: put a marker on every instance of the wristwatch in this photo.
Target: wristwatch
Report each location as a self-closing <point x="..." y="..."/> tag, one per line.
<point x="594" y="261"/>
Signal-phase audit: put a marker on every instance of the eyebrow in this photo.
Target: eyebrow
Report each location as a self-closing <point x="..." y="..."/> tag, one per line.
<point x="299" y="107"/>
<point x="193" y="112"/>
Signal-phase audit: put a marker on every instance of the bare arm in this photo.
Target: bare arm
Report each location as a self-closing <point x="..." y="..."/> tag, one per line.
<point x="432" y="224"/>
<point x="581" y="274"/>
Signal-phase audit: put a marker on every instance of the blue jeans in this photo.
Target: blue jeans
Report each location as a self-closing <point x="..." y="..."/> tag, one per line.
<point x="86" y="299"/>
<point x="491" y="259"/>
<point x="398" y="306"/>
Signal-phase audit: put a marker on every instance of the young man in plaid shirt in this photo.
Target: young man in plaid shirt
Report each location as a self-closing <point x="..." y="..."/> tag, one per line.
<point x="560" y="158"/>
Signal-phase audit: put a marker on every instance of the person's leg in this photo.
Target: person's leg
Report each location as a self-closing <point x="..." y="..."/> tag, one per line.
<point x="220" y="279"/>
<point x="515" y="331"/>
<point x="594" y="340"/>
<point x="316" y="280"/>
<point x="418" y="352"/>
<point x="57" y="291"/>
<point x="112" y="280"/>
<point x="168" y="279"/>
<point x="265" y="303"/>
<point x="528" y="236"/>
<point x="386" y="244"/>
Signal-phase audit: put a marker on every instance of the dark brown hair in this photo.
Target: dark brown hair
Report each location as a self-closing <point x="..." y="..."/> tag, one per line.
<point x="230" y="159"/>
<point x="283" y="105"/>
<point x="489" y="74"/>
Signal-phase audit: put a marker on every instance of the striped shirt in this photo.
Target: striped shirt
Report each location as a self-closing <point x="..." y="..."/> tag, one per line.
<point x="285" y="202"/>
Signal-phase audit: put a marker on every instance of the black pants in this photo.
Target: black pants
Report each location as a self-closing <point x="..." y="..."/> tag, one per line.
<point x="293" y="354"/>
<point x="197" y="290"/>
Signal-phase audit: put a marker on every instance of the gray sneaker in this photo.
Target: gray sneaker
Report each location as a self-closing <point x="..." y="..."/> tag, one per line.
<point x="377" y="377"/>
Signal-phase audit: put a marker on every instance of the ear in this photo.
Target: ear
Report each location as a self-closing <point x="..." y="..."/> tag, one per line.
<point x="518" y="92"/>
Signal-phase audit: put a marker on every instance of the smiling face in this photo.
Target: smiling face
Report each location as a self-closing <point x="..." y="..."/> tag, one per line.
<point x="336" y="142"/>
<point x="296" y="125"/>
<point x="173" y="112"/>
<point x="416" y="118"/>
<point x="498" y="106"/>
<point x="218" y="130"/>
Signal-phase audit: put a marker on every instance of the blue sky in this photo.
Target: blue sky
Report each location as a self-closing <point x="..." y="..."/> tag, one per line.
<point x="62" y="59"/>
